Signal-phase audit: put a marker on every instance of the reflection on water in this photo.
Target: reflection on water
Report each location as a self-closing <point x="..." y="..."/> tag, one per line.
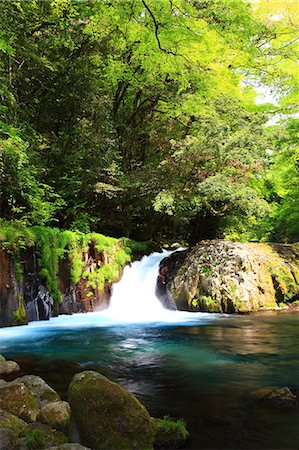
<point x="201" y="370"/>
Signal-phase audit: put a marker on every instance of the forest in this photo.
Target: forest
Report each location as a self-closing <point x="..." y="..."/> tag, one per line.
<point x="142" y="118"/>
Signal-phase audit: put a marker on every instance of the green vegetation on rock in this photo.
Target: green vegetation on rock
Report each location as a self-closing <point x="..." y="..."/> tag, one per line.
<point x="169" y="433"/>
<point x="107" y="415"/>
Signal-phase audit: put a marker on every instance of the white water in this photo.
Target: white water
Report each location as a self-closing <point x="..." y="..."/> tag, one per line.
<point x="133" y="297"/>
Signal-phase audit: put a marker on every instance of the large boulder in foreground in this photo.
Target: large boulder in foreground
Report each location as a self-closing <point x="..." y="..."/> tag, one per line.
<point x="232" y="277"/>
<point x="107" y="416"/>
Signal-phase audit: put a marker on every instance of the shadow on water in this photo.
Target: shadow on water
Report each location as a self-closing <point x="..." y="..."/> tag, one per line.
<point x="202" y="373"/>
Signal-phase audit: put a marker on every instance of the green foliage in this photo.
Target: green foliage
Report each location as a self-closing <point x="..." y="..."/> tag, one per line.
<point x="15" y="236"/>
<point x="282" y="187"/>
<point x="169" y="433"/>
<point x="138" y="118"/>
<point x="51" y="244"/>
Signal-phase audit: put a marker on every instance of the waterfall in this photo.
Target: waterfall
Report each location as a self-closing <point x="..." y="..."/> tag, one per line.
<point x="133" y="297"/>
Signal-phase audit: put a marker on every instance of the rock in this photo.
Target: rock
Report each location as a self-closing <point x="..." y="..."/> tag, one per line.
<point x="70" y="446"/>
<point x="56" y="414"/>
<point x="231" y="277"/>
<point x="281" y="398"/>
<point x="40" y="436"/>
<point x="108" y="416"/>
<point x="2" y="358"/>
<point x="9" y="439"/>
<point x="40" y="389"/>
<point x="8" y="367"/>
<point x="8" y="420"/>
<point x="16" y="398"/>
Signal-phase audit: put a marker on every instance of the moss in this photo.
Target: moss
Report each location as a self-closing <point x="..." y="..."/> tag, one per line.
<point x="209" y="304"/>
<point x="39" y="436"/>
<point x="169" y="433"/>
<point x="117" y="419"/>
<point x="207" y="271"/>
<point x="20" y="315"/>
<point x="34" y="439"/>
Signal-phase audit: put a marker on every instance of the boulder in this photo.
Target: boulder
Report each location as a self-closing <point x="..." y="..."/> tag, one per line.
<point x="40" y="389"/>
<point x="281" y="398"/>
<point x="56" y="414"/>
<point x="8" y="367"/>
<point x="108" y="416"/>
<point x="231" y="277"/>
<point x="16" y="398"/>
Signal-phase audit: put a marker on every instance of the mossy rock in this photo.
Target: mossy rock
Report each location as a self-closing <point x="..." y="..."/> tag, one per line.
<point x="56" y="414"/>
<point x="8" y="420"/>
<point x="108" y="416"/>
<point x="40" y="436"/>
<point x="169" y="433"/>
<point x="40" y="389"/>
<point x="9" y="439"/>
<point x="17" y="399"/>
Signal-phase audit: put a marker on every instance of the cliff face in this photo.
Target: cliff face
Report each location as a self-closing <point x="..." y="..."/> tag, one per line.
<point x="231" y="277"/>
<point x="26" y="298"/>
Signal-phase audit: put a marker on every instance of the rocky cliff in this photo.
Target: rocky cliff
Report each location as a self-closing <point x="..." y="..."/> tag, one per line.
<point x="231" y="277"/>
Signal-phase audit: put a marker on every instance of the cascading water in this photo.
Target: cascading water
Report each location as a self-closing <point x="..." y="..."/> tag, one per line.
<point x="133" y="298"/>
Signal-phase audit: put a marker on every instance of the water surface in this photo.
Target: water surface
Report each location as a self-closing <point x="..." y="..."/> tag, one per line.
<point x="201" y="367"/>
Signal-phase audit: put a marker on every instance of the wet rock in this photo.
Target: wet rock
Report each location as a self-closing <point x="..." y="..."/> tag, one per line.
<point x="231" y="277"/>
<point x="108" y="416"/>
<point x="281" y="398"/>
<point x="40" y="436"/>
<point x="16" y="398"/>
<point x="40" y="389"/>
<point x="56" y="414"/>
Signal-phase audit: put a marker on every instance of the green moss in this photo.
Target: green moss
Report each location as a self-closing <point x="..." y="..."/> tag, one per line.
<point x="169" y="433"/>
<point x="207" y="271"/>
<point x="20" y="315"/>
<point x="39" y="436"/>
<point x="34" y="439"/>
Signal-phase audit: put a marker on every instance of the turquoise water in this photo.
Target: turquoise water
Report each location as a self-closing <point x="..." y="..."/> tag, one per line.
<point x="200" y="367"/>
